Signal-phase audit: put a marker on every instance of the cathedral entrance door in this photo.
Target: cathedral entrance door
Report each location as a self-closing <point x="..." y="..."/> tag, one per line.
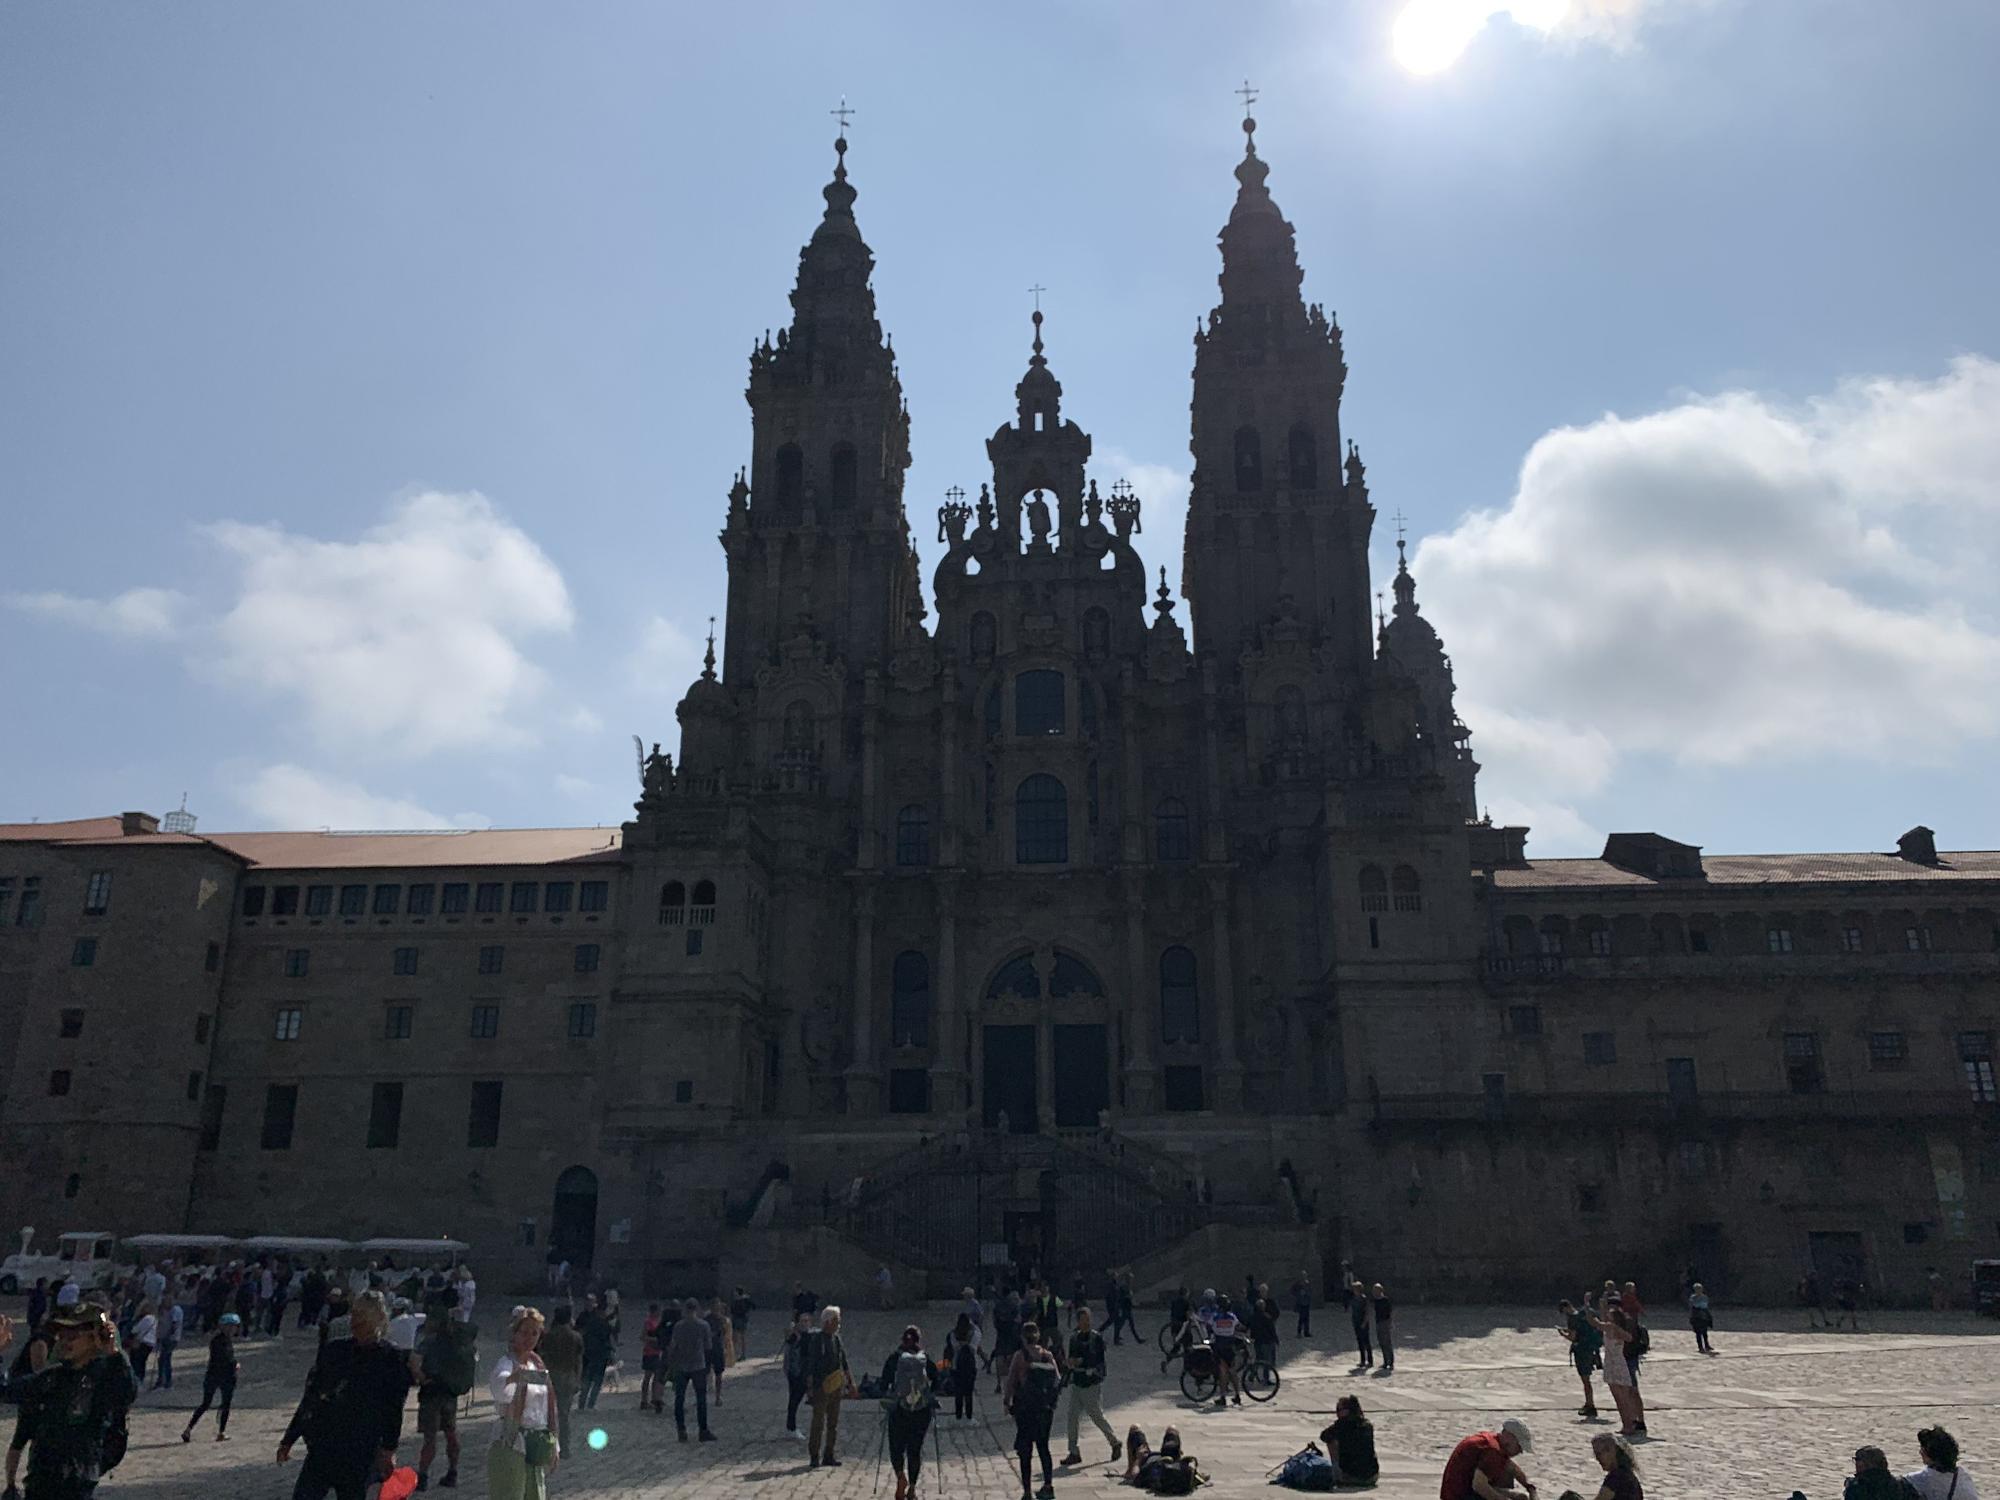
<point x="574" y="1227"/>
<point x="1009" y="1078"/>
<point x="1082" y="1068"/>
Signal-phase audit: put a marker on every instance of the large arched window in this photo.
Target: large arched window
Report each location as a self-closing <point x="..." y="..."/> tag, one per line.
<point x="1096" y="633"/>
<point x="841" y="476"/>
<point x="701" y="904"/>
<point x="673" y="904"/>
<point x="983" y="634"/>
<point x="1173" y="834"/>
<point x="798" y="726"/>
<point x="1180" y="1000"/>
<point x="1249" y="460"/>
<point x="1406" y="889"/>
<point x="1072" y="977"/>
<point x="1302" y="456"/>
<point x="910" y="1001"/>
<point x="1374" y="889"/>
<point x="1017" y="980"/>
<point x="913" y="835"/>
<point x="791" y="478"/>
<point x="1041" y="821"/>
<point x="1038" y="702"/>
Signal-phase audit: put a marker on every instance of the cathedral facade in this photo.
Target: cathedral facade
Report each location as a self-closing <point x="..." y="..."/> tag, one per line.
<point x="1042" y="925"/>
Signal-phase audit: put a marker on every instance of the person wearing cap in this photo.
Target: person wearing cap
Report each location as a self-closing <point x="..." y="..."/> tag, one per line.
<point x="219" y="1379"/>
<point x="1483" y="1466"/>
<point x="351" y="1415"/>
<point x="71" y="1409"/>
<point x="68" y="1294"/>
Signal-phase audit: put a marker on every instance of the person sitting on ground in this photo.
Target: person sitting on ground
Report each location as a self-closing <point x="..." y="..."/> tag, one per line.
<point x="1621" y="1469"/>
<point x="1872" y="1479"/>
<point x="1350" y="1443"/>
<point x="1483" y="1466"/>
<point x="1940" y="1478"/>
<point x="1137" y="1451"/>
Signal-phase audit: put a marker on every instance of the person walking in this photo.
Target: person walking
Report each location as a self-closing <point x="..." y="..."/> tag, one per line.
<point x="796" y="1340"/>
<point x="1262" y="1326"/>
<point x="830" y="1381"/>
<point x="1086" y="1366"/>
<point x="1621" y="1469"/>
<point x="1701" y="1318"/>
<point x="561" y="1350"/>
<point x="1180" y="1323"/>
<point x="218" y="1380"/>
<point x="1034" y="1383"/>
<point x="144" y="1337"/>
<point x="448" y="1359"/>
<point x="171" y="1320"/>
<point x="69" y="1411"/>
<point x="1385" y="1326"/>
<point x="351" y="1415"/>
<point x="964" y="1369"/>
<point x="740" y="1308"/>
<point x="649" y="1357"/>
<point x="527" y="1444"/>
<point x="1584" y="1343"/>
<point x="1361" y="1314"/>
<point x="718" y="1343"/>
<point x="907" y="1379"/>
<point x="599" y="1344"/>
<point x="885" y="1289"/>
<point x="688" y="1363"/>
<point x="1006" y="1336"/>
<point x="1302" y="1307"/>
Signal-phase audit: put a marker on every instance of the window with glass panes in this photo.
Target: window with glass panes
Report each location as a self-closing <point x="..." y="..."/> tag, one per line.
<point x="1975" y="1055"/>
<point x="1888" y="1051"/>
<point x="404" y="961"/>
<point x="491" y="958"/>
<point x="97" y="894"/>
<point x="485" y="1022"/>
<point x="388" y="899"/>
<point x="319" y="900"/>
<point x="353" y="900"/>
<point x="488" y="897"/>
<point x="593" y="895"/>
<point x="452" y="898"/>
<point x="586" y="958"/>
<point x="521" y="900"/>
<point x="417" y="902"/>
<point x="557" y="895"/>
<point x="583" y="1019"/>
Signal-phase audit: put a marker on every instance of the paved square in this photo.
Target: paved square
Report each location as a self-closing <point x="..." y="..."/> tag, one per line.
<point x="1780" y="1409"/>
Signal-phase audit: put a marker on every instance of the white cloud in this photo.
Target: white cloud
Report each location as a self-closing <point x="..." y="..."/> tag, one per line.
<point x="1428" y="36"/>
<point x="666" y="659"/>
<point x="407" y="641"/>
<point x="574" y="786"/>
<point x="1163" y="501"/>
<point x="289" y="796"/>
<point x="137" y="614"/>
<point x="1733" y="580"/>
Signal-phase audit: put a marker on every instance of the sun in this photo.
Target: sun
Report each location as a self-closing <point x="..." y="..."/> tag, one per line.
<point x="1430" y="35"/>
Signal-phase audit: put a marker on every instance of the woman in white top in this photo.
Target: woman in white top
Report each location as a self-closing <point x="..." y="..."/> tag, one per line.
<point x="1940" y="1478"/>
<point x="515" y="1467"/>
<point x="145" y="1336"/>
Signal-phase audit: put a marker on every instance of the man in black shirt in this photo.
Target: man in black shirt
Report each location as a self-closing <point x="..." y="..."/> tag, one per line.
<point x="351" y="1415"/>
<point x="70" y="1411"/>
<point x="1086" y="1387"/>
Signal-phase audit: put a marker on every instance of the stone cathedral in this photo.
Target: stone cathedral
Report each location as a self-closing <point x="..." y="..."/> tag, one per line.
<point x="1040" y="926"/>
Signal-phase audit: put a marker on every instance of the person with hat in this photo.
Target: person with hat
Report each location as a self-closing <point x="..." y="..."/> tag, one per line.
<point x="351" y="1415"/>
<point x="1482" y="1466"/>
<point x="219" y="1379"/>
<point x="72" y="1421"/>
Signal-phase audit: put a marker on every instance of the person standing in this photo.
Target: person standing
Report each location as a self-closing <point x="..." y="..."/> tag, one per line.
<point x="1617" y="1330"/>
<point x="688" y="1364"/>
<point x="351" y="1415"/>
<point x="448" y="1356"/>
<point x="1034" y="1382"/>
<point x="599" y="1343"/>
<point x="218" y="1380"/>
<point x="795" y="1371"/>
<point x="1006" y="1335"/>
<point x="829" y="1381"/>
<point x="1127" y="1306"/>
<point x="1361" y="1313"/>
<point x="145" y="1336"/>
<point x="906" y="1387"/>
<point x="1262" y="1326"/>
<point x="1701" y="1318"/>
<point x="70" y="1411"/>
<point x="1385" y="1326"/>
<point x="38" y="1302"/>
<point x="964" y="1369"/>
<point x="740" y="1308"/>
<point x="650" y="1374"/>
<point x="1584" y="1343"/>
<point x="718" y="1343"/>
<point x="562" y="1351"/>
<point x="527" y="1445"/>
<point x="885" y="1289"/>
<point x="171" y="1319"/>
<point x="1086" y="1387"/>
<point x="1180" y="1324"/>
<point x="1302" y="1305"/>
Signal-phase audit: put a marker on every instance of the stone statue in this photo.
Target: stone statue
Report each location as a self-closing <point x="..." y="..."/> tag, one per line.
<point x="657" y="779"/>
<point x="985" y="508"/>
<point x="1038" y="519"/>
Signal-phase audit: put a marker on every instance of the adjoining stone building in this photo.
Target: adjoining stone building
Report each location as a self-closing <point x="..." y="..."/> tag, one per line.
<point x="1036" y="927"/>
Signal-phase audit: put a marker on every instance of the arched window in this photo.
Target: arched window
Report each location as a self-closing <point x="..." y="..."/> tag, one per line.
<point x="673" y="904"/>
<point x="1180" y="999"/>
<point x="1303" y="456"/>
<point x="1072" y="977"/>
<point x="791" y="478"/>
<point x="1041" y="822"/>
<point x="1173" y="836"/>
<point x="1374" y="889"/>
<point x="1407" y="889"/>
<point x="841" y="476"/>
<point x="1038" y="703"/>
<point x="701" y="904"/>
<point x="913" y="835"/>
<point x="798" y="727"/>
<point x="1017" y="980"/>
<point x="910" y="1001"/>
<point x="72" y="1185"/>
<point x="1249" y="460"/>
<point x="984" y="634"/>
<point x="1096" y="633"/>
<point x="992" y="712"/>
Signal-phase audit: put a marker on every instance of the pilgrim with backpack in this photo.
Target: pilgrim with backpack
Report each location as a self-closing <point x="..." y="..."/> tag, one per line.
<point x="907" y="1386"/>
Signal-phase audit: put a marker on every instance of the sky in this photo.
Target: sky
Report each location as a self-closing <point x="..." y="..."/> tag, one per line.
<point x="371" y="376"/>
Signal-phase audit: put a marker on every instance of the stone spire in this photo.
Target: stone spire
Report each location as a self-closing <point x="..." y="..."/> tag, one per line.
<point x="834" y="338"/>
<point x="1260" y="259"/>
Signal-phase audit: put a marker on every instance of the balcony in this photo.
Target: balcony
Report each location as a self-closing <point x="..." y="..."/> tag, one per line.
<point x="1663" y="1109"/>
<point x="1510" y="968"/>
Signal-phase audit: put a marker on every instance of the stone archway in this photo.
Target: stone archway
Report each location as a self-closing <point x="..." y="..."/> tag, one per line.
<point x="573" y="1225"/>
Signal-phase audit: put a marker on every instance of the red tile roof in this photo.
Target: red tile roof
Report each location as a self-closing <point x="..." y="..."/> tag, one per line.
<point x="1756" y="869"/>
<point x="347" y="851"/>
<point x="75" y="828"/>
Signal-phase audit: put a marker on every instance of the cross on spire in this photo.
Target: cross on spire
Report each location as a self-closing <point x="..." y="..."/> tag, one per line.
<point x="1036" y="292"/>
<point x="1248" y="95"/>
<point x="954" y="494"/>
<point x="843" y="114"/>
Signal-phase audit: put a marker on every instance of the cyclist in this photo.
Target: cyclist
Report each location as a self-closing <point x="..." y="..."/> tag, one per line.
<point x="1225" y="1337"/>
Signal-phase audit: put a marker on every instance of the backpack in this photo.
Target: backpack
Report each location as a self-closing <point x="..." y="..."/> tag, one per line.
<point x="912" y="1389"/>
<point x="1177" y="1477"/>
<point x="1308" y="1469"/>
<point x="452" y="1360"/>
<point x="1039" y="1390"/>
<point x="795" y="1358"/>
<point x="1642" y="1342"/>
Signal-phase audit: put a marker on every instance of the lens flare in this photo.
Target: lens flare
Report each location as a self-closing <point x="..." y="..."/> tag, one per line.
<point x="597" y="1439"/>
<point x="1430" y="35"/>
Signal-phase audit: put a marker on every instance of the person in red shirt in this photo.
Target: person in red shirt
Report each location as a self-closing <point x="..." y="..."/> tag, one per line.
<point x="1482" y="1466"/>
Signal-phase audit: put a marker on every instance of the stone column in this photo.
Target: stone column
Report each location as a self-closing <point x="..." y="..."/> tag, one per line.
<point x="864" y="1079"/>
<point x="1228" y="1071"/>
<point x="948" y="1080"/>
<point x="1045" y="1062"/>
<point x="1142" y="1007"/>
<point x="869" y="852"/>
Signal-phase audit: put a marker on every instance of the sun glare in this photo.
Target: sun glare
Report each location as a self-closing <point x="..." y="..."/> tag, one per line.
<point x="1430" y="35"/>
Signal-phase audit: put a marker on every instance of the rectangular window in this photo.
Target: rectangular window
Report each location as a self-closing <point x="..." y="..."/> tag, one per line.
<point x="319" y="900"/>
<point x="482" y="1128"/>
<point x="212" y="1101"/>
<point x="201" y="1025"/>
<point x="913" y="836"/>
<point x="593" y="895"/>
<point x="59" y="1081"/>
<point x="29" y="913"/>
<point x="909" y="1091"/>
<point x="684" y="1091"/>
<point x="583" y="1020"/>
<point x="212" y="960"/>
<point x="297" y="961"/>
<point x="487" y="898"/>
<point x="1181" y="1090"/>
<point x="70" y="1024"/>
<point x="418" y="902"/>
<point x="1600" y="942"/>
<point x="451" y="898"/>
<point x="1682" y="1086"/>
<point x="6" y="896"/>
<point x="1600" y="1048"/>
<point x="1888" y="1051"/>
<point x="1803" y="1071"/>
<point x="586" y="958"/>
<point x="284" y="901"/>
<point x="403" y="961"/>
<point x="1550" y="943"/>
<point x="1524" y="1020"/>
<point x="694" y="941"/>
<point x="521" y="900"/>
<point x="1697" y="941"/>
<point x="285" y="1024"/>
<point x="281" y="1108"/>
<point x="398" y="1021"/>
<point x="1038" y="702"/>
<point x="556" y="895"/>
<point x="1778" y="939"/>
<point x="388" y="899"/>
<point x="253" y="901"/>
<point x="1917" y="939"/>
<point x="385" y="1116"/>
<point x="97" y="894"/>
<point x="1851" y="939"/>
<point x="83" y="953"/>
<point x="194" y="1087"/>
<point x="1493" y="1094"/>
<point x="485" y="1022"/>
<point x="1975" y="1055"/>
<point x="354" y="900"/>
<point x="491" y="957"/>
